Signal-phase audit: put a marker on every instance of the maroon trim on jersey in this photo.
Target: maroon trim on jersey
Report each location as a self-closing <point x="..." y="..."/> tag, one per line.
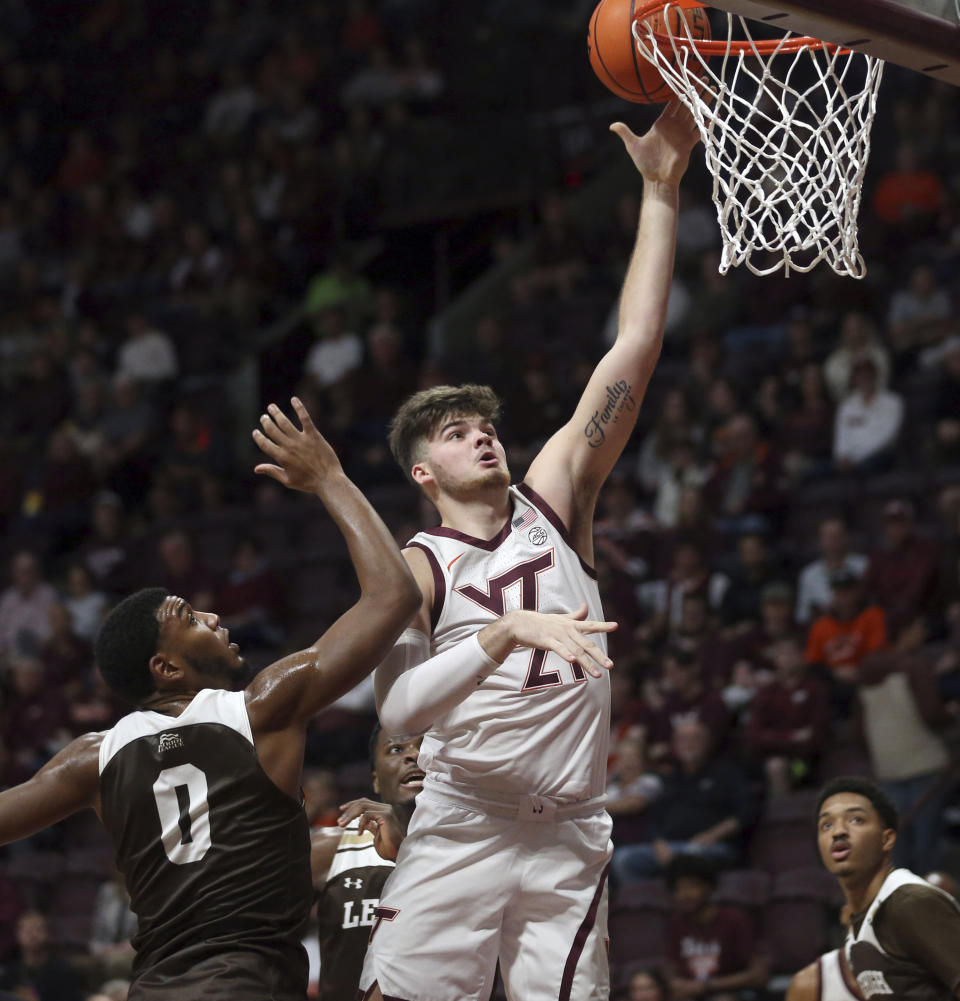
<point x="488" y="544"/>
<point x="819" y="994"/>
<point x="847" y="974"/>
<point x="439" y="583"/>
<point x="554" y="519"/>
<point x="580" y="939"/>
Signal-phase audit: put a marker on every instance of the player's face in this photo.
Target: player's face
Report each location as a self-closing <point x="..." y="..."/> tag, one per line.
<point x="463" y="456"/>
<point x="196" y="642"/>
<point x="851" y="836"/>
<point x="396" y="777"/>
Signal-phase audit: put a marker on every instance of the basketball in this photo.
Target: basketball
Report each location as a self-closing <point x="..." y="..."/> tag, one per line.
<point x="614" y="57"/>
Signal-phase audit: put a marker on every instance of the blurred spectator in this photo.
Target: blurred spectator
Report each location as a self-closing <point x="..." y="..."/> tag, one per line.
<point x="908" y="196"/>
<point x="112" y="926"/>
<point x="745" y="490"/>
<point x="321" y="798"/>
<point x="181" y="573"/>
<point x="337" y="353"/>
<point x="789" y="719"/>
<point x="712" y="951"/>
<point x="754" y="570"/>
<point x="631" y="788"/>
<point x="814" y="590"/>
<point x="858" y="339"/>
<point x="231" y="106"/>
<point x="902" y="714"/>
<point x="946" y="407"/>
<point x="340" y="286"/>
<point x="920" y="314"/>
<point x="113" y="990"/>
<point x="804" y="436"/>
<point x="559" y="257"/>
<point x="105" y="551"/>
<point x="662" y="600"/>
<point x="250" y="602"/>
<point x="36" y="724"/>
<point x="10" y="907"/>
<point x="25" y="607"/>
<point x="66" y="657"/>
<point x="85" y="604"/>
<point x="800" y="352"/>
<point x="681" y="472"/>
<point x="675" y="426"/>
<point x="904" y="572"/>
<point x="867" y="424"/>
<point x="648" y="984"/>
<point x="623" y="530"/>
<point x="147" y="355"/>
<point x="843" y="635"/>
<point x="37" y="972"/>
<point x="706" y="809"/>
<point x="684" y="697"/>
<point x="128" y="425"/>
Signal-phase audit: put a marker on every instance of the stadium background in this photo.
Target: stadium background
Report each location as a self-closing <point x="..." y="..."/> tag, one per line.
<point x="208" y="206"/>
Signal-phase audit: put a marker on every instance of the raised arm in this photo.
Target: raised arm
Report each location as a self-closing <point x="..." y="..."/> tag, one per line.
<point x="292" y="690"/>
<point x="67" y="783"/>
<point x="572" y="467"/>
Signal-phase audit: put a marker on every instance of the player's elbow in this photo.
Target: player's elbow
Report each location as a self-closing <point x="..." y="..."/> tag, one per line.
<point x="396" y="721"/>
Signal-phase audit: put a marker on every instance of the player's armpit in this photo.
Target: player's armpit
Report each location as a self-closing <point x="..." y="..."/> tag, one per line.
<point x="66" y="784"/>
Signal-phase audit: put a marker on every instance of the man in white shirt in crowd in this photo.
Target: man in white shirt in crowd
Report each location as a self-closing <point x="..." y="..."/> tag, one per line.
<point x="867" y="423"/>
<point x="813" y="585"/>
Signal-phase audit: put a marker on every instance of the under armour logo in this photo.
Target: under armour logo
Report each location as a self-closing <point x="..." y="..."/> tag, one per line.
<point x="170" y="741"/>
<point x="352" y="884"/>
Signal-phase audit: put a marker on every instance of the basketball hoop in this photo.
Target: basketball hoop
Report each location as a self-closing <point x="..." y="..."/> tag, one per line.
<point x="785" y="124"/>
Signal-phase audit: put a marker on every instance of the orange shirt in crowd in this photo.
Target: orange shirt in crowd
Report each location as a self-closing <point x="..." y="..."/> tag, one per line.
<point x="841" y="644"/>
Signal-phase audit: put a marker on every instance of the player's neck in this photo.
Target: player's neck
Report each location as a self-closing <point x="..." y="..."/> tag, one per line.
<point x="860" y="891"/>
<point x="481" y="516"/>
<point x="168" y="703"/>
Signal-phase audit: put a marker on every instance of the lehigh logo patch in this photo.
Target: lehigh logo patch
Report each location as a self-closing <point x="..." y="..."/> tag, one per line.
<point x="170" y="741"/>
<point x="873" y="982"/>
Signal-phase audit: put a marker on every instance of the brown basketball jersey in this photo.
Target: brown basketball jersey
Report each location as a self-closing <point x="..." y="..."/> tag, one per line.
<point x="215" y="856"/>
<point x="907" y="944"/>
<point x="345" y="912"/>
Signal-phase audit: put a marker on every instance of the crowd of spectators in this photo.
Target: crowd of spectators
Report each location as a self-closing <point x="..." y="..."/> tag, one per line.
<point x="781" y="542"/>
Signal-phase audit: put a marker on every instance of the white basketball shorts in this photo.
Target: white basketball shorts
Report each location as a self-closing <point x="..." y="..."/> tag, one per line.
<point x="471" y="887"/>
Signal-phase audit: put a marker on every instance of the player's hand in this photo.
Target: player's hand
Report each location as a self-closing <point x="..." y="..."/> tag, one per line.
<point x="380" y="820"/>
<point x="302" y="457"/>
<point x="564" y="634"/>
<point x="662" y="154"/>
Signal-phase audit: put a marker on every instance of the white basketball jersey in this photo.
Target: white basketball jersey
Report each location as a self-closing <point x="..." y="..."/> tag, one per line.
<point x="836" y="980"/>
<point x="537" y="725"/>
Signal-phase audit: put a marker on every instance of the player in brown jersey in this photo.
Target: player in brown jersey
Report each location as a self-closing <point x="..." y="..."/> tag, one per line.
<point x="904" y="934"/>
<point x="351" y="862"/>
<point x="200" y="787"/>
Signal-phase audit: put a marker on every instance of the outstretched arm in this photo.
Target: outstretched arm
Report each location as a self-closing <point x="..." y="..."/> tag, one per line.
<point x="295" y="688"/>
<point x="413" y="689"/>
<point x="572" y="467"/>
<point x="67" y="783"/>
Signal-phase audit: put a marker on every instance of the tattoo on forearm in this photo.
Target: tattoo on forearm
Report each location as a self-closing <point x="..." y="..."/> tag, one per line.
<point x="619" y="401"/>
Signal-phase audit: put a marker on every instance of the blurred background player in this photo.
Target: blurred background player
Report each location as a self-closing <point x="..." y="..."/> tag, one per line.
<point x="199" y="788"/>
<point x="348" y="869"/>
<point x="511" y="818"/>
<point x="904" y="934"/>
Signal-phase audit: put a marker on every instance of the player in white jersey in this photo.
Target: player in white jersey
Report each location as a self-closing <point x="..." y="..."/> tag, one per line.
<point x="507" y="852"/>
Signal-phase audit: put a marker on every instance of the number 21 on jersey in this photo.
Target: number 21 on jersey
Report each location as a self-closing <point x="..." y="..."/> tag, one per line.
<point x="525" y="576"/>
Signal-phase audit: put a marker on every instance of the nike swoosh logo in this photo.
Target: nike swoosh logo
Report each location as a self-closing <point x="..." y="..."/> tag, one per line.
<point x="454" y="560"/>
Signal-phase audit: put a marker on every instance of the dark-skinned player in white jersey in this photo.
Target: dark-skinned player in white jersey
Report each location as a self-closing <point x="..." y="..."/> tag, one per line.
<point x="507" y="851"/>
<point x="903" y="938"/>
<point x="199" y="788"/>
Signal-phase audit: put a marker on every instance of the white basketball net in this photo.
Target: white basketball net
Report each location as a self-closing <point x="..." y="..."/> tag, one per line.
<point x="787" y="151"/>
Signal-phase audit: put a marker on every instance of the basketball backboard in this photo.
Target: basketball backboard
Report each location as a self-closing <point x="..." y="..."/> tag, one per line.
<point x="923" y="35"/>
